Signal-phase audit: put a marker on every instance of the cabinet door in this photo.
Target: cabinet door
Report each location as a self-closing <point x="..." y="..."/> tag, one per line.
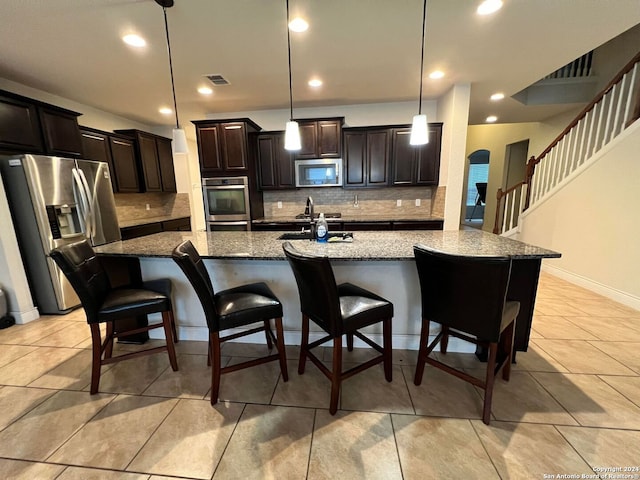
<point x="404" y="158"/>
<point x="95" y="146"/>
<point x="125" y="169"/>
<point x="234" y="146"/>
<point x="165" y="161"/>
<point x="209" y="148"/>
<point x="308" y="140"/>
<point x="61" y="133"/>
<point x="267" y="162"/>
<point x="378" y="158"/>
<point x="429" y="158"/>
<point x="355" y="159"/>
<point x="419" y="225"/>
<point x="19" y="126"/>
<point x="329" y="139"/>
<point x="275" y="164"/>
<point x="150" y="168"/>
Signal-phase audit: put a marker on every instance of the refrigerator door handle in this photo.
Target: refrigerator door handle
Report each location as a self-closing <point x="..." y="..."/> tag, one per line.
<point x="90" y="201"/>
<point x="83" y="203"/>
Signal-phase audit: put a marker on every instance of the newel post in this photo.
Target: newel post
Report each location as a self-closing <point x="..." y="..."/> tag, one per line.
<point x="496" y="228"/>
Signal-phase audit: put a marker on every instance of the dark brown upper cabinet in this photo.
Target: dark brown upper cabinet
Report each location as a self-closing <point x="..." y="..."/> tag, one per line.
<point x="366" y="157"/>
<point x="31" y="126"/>
<point x="275" y="164"/>
<point x="320" y="138"/>
<point x="61" y="132"/>
<point x="152" y="151"/>
<point x="415" y="165"/>
<point x="120" y="154"/>
<point x="223" y="146"/>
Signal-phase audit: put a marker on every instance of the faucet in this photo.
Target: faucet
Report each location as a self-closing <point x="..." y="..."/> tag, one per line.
<point x="309" y="208"/>
<point x="309" y="211"/>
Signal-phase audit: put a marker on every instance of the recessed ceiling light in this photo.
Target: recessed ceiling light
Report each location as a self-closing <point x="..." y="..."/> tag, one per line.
<point x="488" y="7"/>
<point x="165" y="110"/>
<point x="315" y="82"/>
<point x="491" y="119"/>
<point x="497" y="96"/>
<point x="205" y="90"/>
<point x="134" y="40"/>
<point x="298" y="25"/>
<point x="436" y="74"/>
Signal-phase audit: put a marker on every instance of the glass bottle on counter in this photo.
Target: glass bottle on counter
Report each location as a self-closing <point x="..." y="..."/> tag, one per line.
<point x="322" y="229"/>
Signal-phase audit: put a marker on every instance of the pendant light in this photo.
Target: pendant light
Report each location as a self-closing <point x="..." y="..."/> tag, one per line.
<point x="292" y="132"/>
<point x="179" y="137"/>
<point x="420" y="129"/>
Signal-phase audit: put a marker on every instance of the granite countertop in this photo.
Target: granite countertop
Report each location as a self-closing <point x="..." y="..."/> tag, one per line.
<point x="146" y="221"/>
<point x="379" y="245"/>
<point x="350" y="218"/>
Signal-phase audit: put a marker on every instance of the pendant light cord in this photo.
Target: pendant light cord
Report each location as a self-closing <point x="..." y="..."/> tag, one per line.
<point x="424" y="23"/>
<point x="289" y="52"/>
<point x="173" y="88"/>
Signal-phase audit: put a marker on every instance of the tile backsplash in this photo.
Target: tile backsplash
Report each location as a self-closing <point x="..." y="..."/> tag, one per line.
<point x="133" y="206"/>
<point x="371" y="202"/>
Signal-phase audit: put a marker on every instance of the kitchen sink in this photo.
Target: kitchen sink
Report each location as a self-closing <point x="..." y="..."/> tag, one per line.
<point x="333" y="236"/>
<point x="295" y="236"/>
<point x="316" y="215"/>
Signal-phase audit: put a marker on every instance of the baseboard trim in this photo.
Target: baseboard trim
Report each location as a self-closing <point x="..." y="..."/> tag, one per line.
<point x="597" y="287"/>
<point x="25" y="317"/>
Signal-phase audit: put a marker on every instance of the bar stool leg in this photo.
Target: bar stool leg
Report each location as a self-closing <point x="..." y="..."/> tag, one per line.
<point x="336" y="377"/>
<point x="422" y="351"/>
<point x="96" y="354"/>
<point x="281" y="349"/>
<point x="304" y="344"/>
<point x="214" y="342"/>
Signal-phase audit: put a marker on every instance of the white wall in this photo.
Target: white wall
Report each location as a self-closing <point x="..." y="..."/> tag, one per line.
<point x="593" y="222"/>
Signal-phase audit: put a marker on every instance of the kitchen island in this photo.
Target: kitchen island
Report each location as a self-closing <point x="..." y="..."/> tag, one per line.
<point x="381" y="261"/>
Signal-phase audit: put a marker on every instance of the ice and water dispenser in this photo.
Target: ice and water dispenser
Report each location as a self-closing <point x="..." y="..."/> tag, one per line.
<point x="64" y="221"/>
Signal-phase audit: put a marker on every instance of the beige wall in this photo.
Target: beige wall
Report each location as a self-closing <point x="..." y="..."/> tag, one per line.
<point x="593" y="222"/>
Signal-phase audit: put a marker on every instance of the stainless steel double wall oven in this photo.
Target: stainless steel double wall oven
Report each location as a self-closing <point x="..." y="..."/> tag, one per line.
<point x="226" y="203"/>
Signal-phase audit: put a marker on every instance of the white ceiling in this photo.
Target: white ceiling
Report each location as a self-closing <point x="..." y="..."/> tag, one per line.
<point x="365" y="51"/>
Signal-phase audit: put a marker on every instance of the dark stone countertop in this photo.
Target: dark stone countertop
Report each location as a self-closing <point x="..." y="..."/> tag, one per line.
<point x="377" y="245"/>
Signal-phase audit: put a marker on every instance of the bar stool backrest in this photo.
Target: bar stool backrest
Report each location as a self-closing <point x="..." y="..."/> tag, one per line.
<point x="317" y="288"/>
<point x="190" y="262"/>
<point x="86" y="274"/>
<point x="463" y="292"/>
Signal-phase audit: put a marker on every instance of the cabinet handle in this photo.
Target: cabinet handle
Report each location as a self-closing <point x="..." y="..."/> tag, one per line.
<point x="86" y="135"/>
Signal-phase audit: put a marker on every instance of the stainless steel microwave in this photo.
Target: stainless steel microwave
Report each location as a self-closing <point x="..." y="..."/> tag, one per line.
<point x="321" y="172"/>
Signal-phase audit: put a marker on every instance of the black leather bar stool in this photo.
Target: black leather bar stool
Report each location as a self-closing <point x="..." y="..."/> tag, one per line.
<point x="104" y="304"/>
<point x="339" y="310"/>
<point x="232" y="308"/>
<point x="467" y="296"/>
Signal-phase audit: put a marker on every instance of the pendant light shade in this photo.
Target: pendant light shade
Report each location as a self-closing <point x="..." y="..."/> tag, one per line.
<point x="419" y="128"/>
<point x="179" y="141"/>
<point x="292" y="132"/>
<point x="292" y="136"/>
<point x="179" y="136"/>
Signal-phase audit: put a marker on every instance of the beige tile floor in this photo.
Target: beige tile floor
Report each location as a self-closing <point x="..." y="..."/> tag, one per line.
<point x="573" y="404"/>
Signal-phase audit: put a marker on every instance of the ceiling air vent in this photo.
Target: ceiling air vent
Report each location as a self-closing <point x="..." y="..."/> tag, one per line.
<point x="217" y="79"/>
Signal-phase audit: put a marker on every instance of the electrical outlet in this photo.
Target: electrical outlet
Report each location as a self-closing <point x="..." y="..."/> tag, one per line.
<point x="398" y="203"/>
<point x="417" y="202"/>
<point x="279" y="204"/>
<point x="148" y="207"/>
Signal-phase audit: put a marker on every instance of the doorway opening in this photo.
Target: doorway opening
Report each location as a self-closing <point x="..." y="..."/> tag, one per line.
<point x="476" y="195"/>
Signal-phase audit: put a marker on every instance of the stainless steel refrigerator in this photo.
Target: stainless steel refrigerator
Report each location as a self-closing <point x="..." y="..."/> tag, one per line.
<point x="55" y="201"/>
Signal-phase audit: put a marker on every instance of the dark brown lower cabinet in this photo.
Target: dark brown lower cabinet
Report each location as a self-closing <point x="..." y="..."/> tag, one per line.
<point x="365" y="226"/>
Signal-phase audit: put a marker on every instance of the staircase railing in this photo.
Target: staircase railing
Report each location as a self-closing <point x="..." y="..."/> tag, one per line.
<point x="611" y="112"/>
